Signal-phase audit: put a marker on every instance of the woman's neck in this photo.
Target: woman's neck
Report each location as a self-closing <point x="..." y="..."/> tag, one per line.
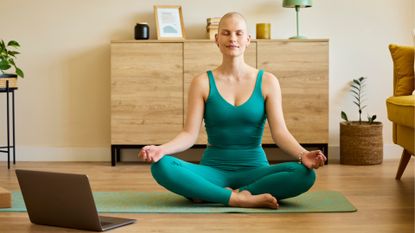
<point x="233" y="66"/>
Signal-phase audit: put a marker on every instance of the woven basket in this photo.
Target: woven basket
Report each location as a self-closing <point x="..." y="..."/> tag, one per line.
<point x="361" y="144"/>
<point x="5" y="78"/>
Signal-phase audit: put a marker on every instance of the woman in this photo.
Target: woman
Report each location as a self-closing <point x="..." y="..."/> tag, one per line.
<point x="234" y="99"/>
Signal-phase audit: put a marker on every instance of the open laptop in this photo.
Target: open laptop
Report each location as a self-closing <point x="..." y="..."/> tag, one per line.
<point x="64" y="200"/>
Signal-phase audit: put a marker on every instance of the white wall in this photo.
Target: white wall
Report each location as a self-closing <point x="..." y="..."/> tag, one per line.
<point x="63" y="104"/>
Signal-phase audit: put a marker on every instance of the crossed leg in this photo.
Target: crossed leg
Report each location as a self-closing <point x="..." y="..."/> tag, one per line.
<point x="282" y="180"/>
<point x="205" y="183"/>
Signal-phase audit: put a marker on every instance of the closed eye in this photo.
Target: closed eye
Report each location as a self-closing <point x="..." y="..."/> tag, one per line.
<point x="240" y="33"/>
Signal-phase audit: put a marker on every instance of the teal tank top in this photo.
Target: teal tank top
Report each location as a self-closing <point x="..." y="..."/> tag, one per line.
<point x="234" y="132"/>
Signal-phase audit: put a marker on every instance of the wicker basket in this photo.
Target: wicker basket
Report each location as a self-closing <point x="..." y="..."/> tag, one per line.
<point x="361" y="144"/>
<point x="6" y="77"/>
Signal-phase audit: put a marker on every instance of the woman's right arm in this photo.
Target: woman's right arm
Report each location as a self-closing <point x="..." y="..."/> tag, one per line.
<point x="198" y="91"/>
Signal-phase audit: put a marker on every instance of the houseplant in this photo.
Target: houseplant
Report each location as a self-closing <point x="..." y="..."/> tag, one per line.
<point x="7" y="55"/>
<point x="361" y="142"/>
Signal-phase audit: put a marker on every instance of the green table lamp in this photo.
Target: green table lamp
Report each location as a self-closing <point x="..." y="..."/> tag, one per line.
<point x="297" y="4"/>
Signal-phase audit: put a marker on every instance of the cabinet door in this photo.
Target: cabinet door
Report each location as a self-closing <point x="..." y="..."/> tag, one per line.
<point x="302" y="70"/>
<point x="146" y="92"/>
<point x="200" y="57"/>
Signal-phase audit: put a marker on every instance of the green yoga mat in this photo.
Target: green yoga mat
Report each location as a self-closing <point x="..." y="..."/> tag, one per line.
<point x="165" y="202"/>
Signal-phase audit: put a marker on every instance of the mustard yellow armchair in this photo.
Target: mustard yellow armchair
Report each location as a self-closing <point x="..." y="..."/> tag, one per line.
<point x="401" y="105"/>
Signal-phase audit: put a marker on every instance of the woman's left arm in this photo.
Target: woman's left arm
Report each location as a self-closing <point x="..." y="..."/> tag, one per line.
<point x="279" y="131"/>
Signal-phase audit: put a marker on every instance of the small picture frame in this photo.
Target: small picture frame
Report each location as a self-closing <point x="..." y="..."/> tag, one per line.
<point x="169" y="22"/>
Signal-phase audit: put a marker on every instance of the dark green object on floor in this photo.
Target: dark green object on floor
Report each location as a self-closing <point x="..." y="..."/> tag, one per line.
<point x="166" y="202"/>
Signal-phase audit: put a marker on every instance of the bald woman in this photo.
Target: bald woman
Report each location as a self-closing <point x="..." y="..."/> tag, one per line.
<point x="234" y="100"/>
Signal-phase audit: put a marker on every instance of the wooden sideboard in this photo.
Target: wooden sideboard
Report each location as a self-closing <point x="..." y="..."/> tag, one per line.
<point x="150" y="80"/>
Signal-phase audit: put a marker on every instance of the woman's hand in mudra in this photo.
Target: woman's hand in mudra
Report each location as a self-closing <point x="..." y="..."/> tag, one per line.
<point x="313" y="159"/>
<point x="151" y="153"/>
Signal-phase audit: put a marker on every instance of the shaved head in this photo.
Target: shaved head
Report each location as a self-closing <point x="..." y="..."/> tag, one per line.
<point x="232" y="37"/>
<point x="234" y="15"/>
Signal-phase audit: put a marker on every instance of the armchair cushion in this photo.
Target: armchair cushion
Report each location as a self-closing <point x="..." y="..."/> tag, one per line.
<point x="401" y="110"/>
<point x="403" y="69"/>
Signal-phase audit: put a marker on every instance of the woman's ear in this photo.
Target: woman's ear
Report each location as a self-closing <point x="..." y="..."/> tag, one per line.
<point x="216" y="39"/>
<point x="248" y="40"/>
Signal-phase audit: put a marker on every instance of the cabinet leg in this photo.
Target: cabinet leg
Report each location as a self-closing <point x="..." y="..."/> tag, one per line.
<point x="325" y="150"/>
<point x="118" y="154"/>
<point x="113" y="161"/>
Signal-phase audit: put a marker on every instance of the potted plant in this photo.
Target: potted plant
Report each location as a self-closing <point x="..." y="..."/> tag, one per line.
<point x="361" y="142"/>
<point x="7" y="55"/>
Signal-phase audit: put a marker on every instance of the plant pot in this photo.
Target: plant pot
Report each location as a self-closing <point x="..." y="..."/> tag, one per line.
<point x="11" y="78"/>
<point x="361" y="144"/>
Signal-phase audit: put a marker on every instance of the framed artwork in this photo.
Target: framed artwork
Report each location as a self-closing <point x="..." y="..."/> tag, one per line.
<point x="169" y="22"/>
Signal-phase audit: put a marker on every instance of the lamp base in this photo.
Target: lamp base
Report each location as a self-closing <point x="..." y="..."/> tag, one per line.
<point x="298" y="37"/>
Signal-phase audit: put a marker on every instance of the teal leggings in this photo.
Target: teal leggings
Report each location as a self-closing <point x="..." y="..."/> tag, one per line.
<point x="195" y="181"/>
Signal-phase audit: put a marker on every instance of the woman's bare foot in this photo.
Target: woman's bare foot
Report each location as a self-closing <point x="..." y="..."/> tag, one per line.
<point x="233" y="190"/>
<point x="246" y="199"/>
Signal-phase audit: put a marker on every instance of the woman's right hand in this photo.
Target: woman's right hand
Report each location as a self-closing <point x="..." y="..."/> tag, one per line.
<point x="151" y="153"/>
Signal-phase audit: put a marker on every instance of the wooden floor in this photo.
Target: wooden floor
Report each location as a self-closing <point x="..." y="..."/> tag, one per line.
<point x="384" y="204"/>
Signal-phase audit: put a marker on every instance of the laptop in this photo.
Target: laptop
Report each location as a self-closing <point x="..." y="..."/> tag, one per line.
<point x="64" y="200"/>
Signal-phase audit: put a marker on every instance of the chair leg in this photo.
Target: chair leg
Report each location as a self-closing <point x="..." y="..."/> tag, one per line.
<point x="406" y="156"/>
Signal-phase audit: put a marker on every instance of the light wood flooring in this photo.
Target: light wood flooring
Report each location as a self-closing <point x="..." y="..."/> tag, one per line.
<point x="384" y="204"/>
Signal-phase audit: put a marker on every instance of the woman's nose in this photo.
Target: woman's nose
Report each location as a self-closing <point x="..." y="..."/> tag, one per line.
<point x="232" y="37"/>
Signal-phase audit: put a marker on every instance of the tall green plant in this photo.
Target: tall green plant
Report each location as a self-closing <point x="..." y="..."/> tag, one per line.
<point x="357" y="90"/>
<point x="7" y="56"/>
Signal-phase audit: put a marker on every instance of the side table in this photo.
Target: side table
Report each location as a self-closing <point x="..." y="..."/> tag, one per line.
<point x="8" y="147"/>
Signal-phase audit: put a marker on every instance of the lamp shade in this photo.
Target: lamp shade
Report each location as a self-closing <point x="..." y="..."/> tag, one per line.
<point x="297" y="3"/>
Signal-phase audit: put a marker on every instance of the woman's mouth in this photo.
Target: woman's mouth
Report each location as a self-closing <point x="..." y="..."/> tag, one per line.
<point x="232" y="46"/>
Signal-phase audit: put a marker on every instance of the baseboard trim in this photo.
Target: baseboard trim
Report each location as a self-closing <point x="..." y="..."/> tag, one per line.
<point x="28" y="153"/>
<point x="390" y="152"/>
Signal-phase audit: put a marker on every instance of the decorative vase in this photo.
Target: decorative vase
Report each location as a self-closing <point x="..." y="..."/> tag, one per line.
<point x="361" y="144"/>
<point x="141" y="31"/>
<point x="263" y="31"/>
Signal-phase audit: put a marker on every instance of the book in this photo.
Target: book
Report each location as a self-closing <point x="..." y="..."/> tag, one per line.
<point x="214" y="20"/>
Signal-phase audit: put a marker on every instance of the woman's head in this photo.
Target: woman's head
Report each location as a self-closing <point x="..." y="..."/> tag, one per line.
<point x="232" y="38"/>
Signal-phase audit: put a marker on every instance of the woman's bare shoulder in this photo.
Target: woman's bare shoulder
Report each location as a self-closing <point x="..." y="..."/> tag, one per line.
<point x="269" y="77"/>
<point x="200" y="83"/>
<point x="269" y="83"/>
<point x="200" y="80"/>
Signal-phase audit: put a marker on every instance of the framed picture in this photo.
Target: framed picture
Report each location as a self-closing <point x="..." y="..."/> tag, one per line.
<point x="169" y="22"/>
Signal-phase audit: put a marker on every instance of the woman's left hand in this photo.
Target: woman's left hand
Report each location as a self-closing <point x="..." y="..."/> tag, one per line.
<point x="313" y="159"/>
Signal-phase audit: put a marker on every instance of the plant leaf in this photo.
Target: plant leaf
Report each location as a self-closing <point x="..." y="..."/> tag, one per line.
<point x="371" y="119"/>
<point x="19" y="72"/>
<point x="4" y="62"/>
<point x="12" y="53"/>
<point x="358" y="105"/>
<point x="2" y="45"/>
<point x="4" y="66"/>
<point x="355" y="92"/>
<point x="344" y="116"/>
<point x="356" y="81"/>
<point x="13" y="43"/>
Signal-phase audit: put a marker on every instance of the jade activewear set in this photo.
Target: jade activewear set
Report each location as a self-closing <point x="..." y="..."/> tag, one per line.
<point x="234" y="156"/>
